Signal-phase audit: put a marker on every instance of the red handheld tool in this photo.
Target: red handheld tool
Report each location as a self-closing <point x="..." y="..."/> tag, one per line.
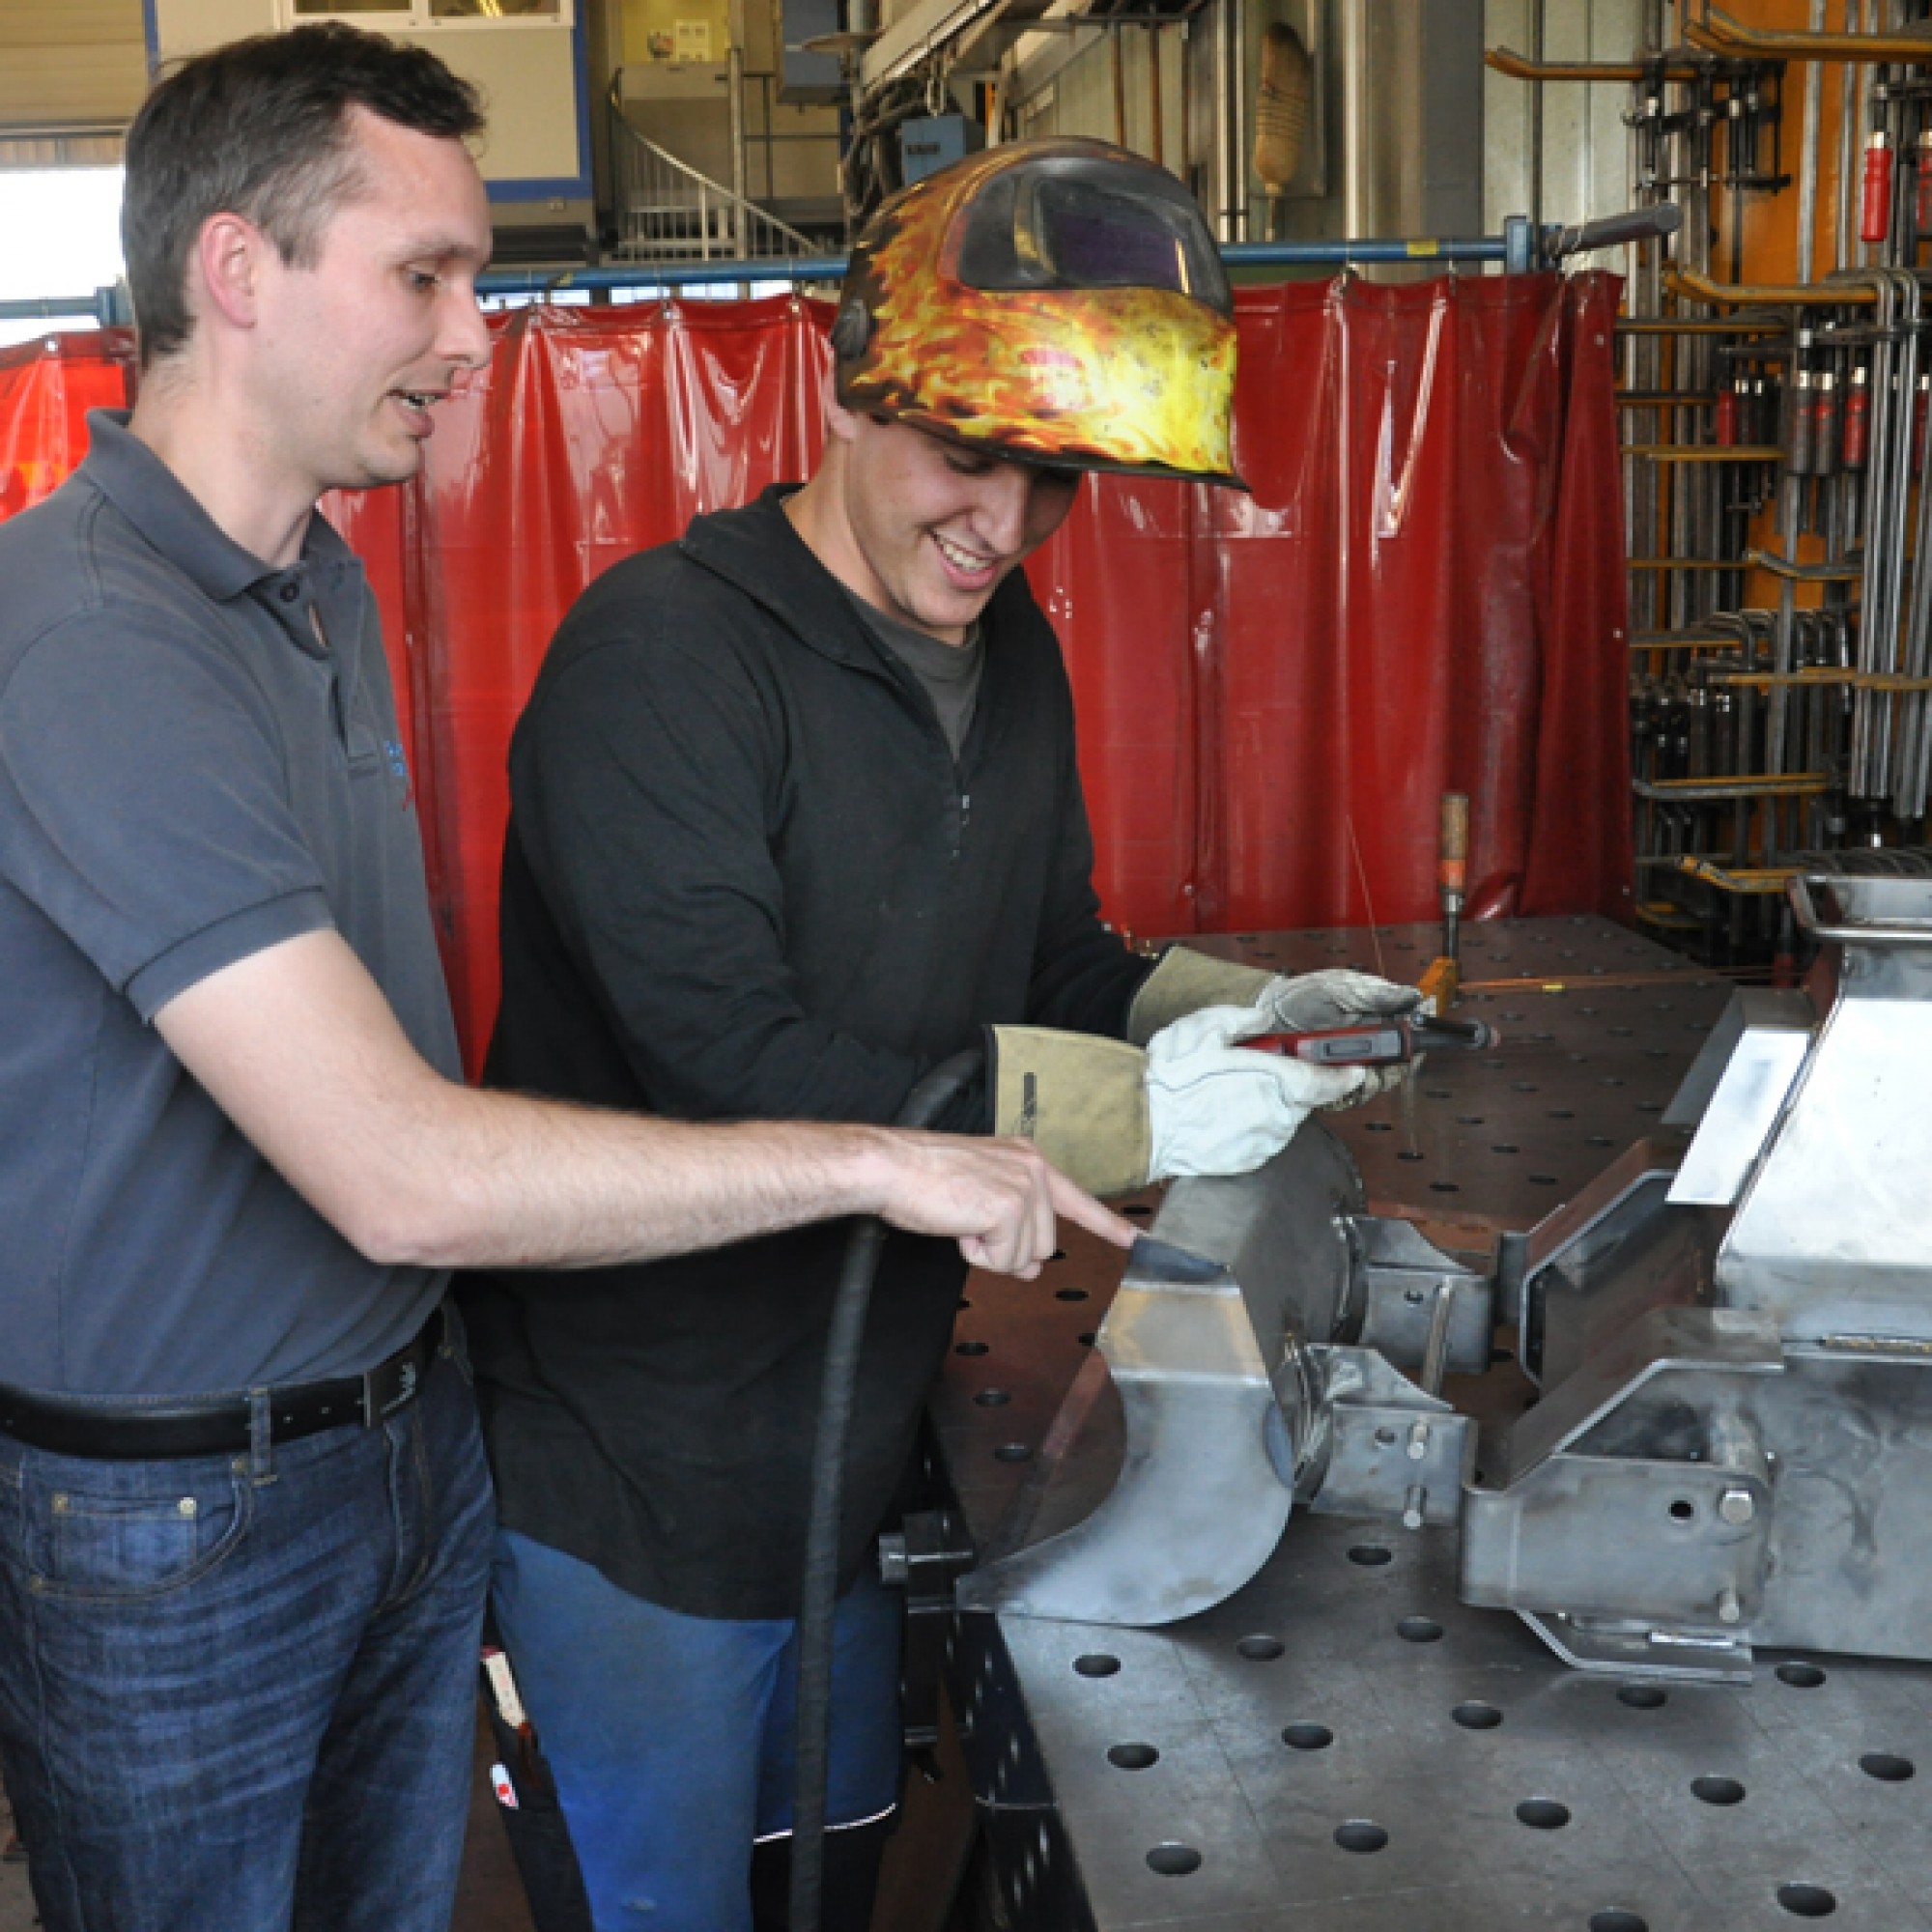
<point x="1380" y="1042"/>
<point x="1875" y="203"/>
<point x="1858" y="417"/>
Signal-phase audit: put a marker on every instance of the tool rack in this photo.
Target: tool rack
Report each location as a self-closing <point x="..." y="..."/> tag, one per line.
<point x="1773" y="420"/>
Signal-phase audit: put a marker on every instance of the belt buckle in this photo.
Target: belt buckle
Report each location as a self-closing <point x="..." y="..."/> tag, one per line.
<point x="389" y="1386"/>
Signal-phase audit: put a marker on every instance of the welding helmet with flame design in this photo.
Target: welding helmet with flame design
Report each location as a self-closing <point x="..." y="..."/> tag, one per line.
<point x="1057" y="302"/>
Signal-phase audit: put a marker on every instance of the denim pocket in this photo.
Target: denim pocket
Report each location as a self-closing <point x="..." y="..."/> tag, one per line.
<point x="131" y="1530"/>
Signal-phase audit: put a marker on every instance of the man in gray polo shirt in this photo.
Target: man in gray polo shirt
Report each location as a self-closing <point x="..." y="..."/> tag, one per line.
<point x="243" y="1513"/>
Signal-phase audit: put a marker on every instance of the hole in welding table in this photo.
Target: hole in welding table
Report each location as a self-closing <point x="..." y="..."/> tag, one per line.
<point x="1133" y="1757"/>
<point x="1477" y="1717"/>
<point x="1360" y="1834"/>
<point x="1885" y="1767"/>
<point x="1615" y="1920"/>
<point x="1370" y="1555"/>
<point x="1643" y="1696"/>
<point x="1682" y="1509"/>
<point x="1406" y="1154"/>
<point x="1562" y="1113"/>
<point x="1543" y="1180"/>
<point x="1378" y="1126"/>
<point x="1069" y="1295"/>
<point x="1620" y="1033"/>
<point x="1505" y="1147"/>
<point x="1599" y="1141"/>
<point x="1471" y="1120"/>
<point x="1649" y="1106"/>
<point x="1419" y="1630"/>
<point x="1096" y="1664"/>
<point x="970" y="1348"/>
<point x="1522" y="1086"/>
<point x="1445" y="1187"/>
<point x="1718" y="1790"/>
<point x="1260" y="1649"/>
<point x="1013" y="1452"/>
<point x="1174" y="1861"/>
<point x="1801" y="1676"/>
<point x="1307" y="1737"/>
<point x="1806" y="1901"/>
<point x="1543" y="1814"/>
<point x="993" y="1397"/>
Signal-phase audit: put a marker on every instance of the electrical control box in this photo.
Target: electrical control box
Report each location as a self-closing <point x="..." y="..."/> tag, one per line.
<point x="935" y="141"/>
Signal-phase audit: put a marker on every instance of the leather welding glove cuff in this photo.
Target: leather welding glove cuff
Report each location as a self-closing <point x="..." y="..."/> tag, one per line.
<point x="1080" y="1098"/>
<point x="1217" y="1107"/>
<point x="1337" y="997"/>
<point x="1185" y="981"/>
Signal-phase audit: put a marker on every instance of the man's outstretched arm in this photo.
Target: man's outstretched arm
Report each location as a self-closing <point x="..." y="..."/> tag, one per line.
<point x="299" y="1047"/>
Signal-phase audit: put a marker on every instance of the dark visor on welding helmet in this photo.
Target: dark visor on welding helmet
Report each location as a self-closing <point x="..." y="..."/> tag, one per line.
<point x="1074" y="223"/>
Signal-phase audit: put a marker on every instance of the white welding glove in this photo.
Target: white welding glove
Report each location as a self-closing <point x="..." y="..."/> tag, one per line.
<point x="1313" y="1001"/>
<point x="1318" y="1001"/>
<point x="1217" y="1107"/>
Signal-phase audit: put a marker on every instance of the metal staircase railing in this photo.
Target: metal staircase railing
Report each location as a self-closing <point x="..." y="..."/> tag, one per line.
<point x="669" y="212"/>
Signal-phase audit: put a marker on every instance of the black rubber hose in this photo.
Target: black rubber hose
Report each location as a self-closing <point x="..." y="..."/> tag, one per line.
<point x="819" y="1597"/>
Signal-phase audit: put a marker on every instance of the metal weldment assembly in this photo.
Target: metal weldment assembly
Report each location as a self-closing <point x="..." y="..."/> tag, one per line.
<point x="1192" y="1696"/>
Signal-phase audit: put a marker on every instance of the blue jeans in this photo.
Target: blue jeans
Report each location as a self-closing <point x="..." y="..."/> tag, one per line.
<point x="237" y="1694"/>
<point x="671" y="1736"/>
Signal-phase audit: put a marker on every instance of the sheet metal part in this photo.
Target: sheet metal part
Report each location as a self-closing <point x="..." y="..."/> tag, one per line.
<point x="1131" y="1778"/>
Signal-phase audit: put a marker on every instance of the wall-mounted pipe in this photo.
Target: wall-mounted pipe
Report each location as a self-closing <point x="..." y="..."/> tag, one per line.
<point x="104" y="306"/>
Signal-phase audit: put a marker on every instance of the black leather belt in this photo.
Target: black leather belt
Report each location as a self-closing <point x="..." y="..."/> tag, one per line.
<point x="162" y="1427"/>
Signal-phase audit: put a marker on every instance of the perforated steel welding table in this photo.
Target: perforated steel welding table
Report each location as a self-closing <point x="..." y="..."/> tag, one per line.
<point x="1342" y="1747"/>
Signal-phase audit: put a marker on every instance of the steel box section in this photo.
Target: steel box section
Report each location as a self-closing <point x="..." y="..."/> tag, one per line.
<point x="1850" y="1559"/>
<point x="1833" y="1237"/>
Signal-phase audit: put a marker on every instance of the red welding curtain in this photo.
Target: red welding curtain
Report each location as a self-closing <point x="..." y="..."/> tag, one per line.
<point x="46" y="388"/>
<point x="1424" y="591"/>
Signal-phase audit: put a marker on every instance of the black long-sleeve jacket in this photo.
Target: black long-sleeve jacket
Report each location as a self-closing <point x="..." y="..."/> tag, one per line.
<point x="746" y="878"/>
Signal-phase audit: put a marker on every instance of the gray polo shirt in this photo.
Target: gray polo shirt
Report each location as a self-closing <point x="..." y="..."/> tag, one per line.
<point x="188" y="776"/>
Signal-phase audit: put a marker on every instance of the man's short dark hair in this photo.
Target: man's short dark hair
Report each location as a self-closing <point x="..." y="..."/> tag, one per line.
<point x="259" y="128"/>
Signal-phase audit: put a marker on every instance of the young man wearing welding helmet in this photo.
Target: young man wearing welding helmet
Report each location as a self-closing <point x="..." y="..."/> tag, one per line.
<point x="795" y="816"/>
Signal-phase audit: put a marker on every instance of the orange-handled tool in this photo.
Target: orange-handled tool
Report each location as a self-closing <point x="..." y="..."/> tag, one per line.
<point x="1452" y="874"/>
